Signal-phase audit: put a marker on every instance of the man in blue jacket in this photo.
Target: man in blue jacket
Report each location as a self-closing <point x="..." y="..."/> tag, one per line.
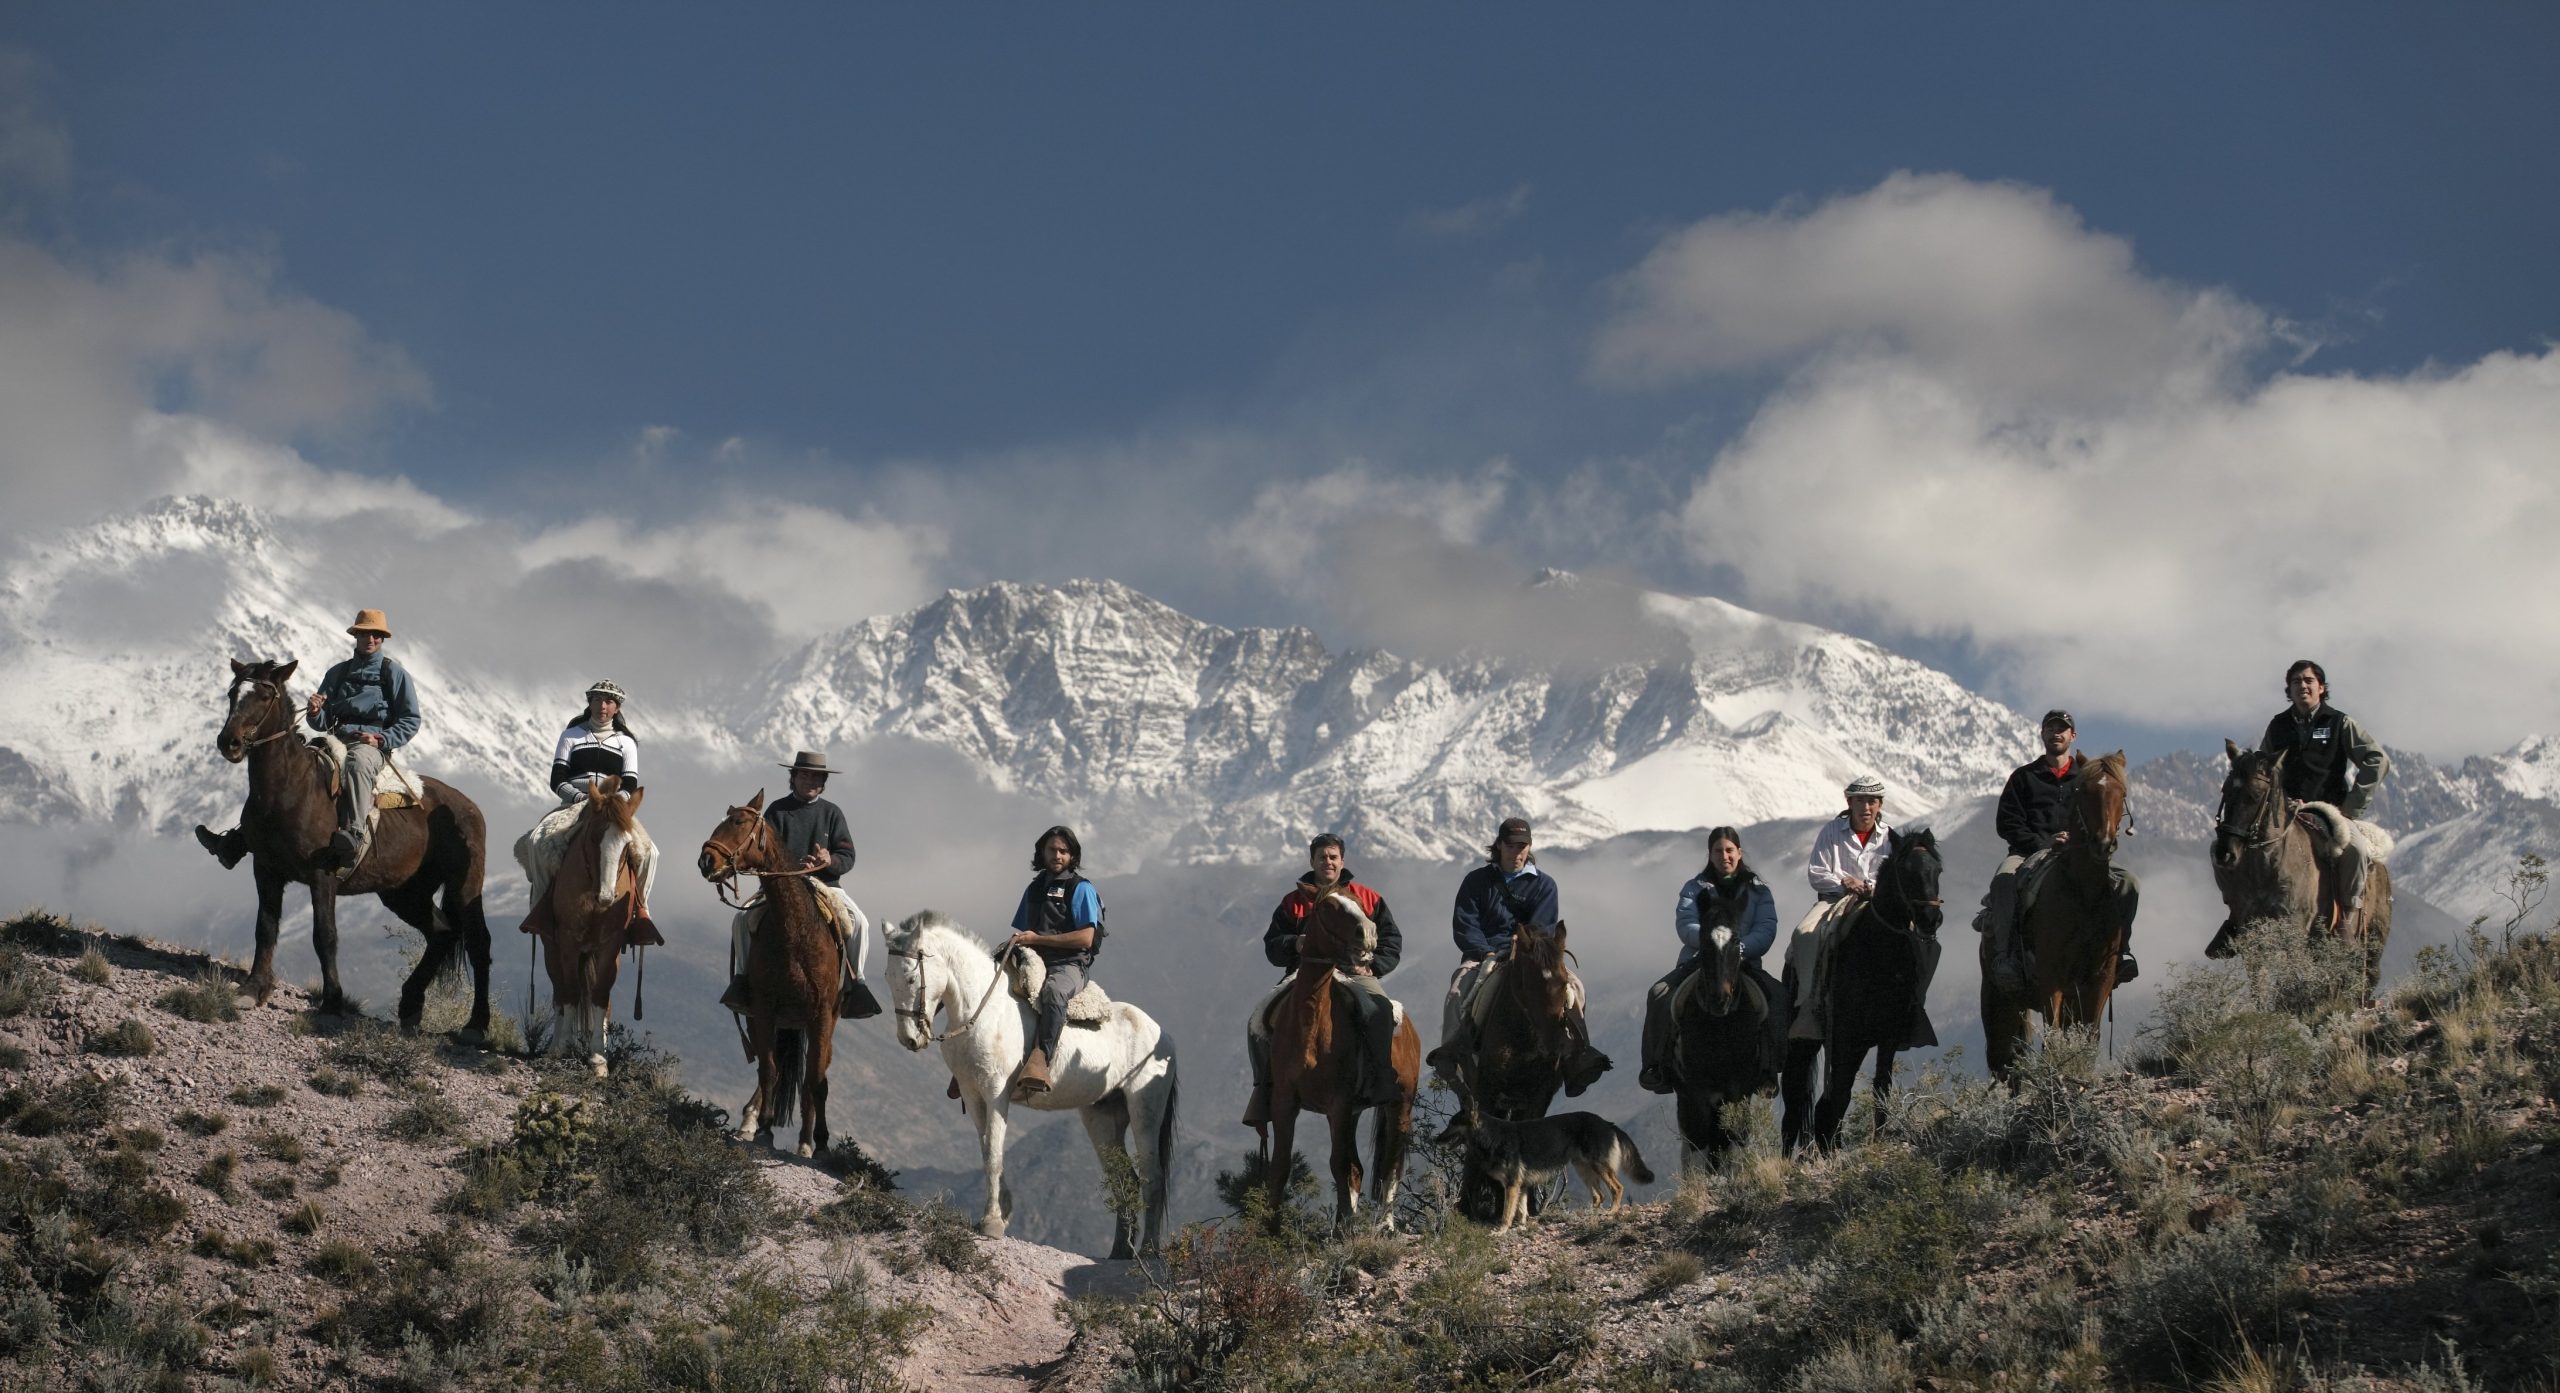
<point x="1495" y="899"/>
<point x="369" y="703"/>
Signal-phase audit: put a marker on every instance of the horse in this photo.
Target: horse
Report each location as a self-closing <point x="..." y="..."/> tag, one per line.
<point x="1721" y="1037"/>
<point x="2076" y="930"/>
<point x="586" y="918"/>
<point x="793" y="968"/>
<point x="1315" y="1066"/>
<point x="2267" y="862"/>
<point x="1119" y="1078"/>
<point x="1881" y="964"/>
<point x="1521" y="1052"/>
<point x="426" y="862"/>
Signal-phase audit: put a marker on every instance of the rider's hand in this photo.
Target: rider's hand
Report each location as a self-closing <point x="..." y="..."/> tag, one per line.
<point x="314" y="704"/>
<point x="2061" y="839"/>
<point x="370" y="738"/>
<point x="818" y="859"/>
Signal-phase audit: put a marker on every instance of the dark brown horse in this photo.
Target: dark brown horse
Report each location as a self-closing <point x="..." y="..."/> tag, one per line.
<point x="438" y="847"/>
<point x="1722" y="1035"/>
<point x="793" y="967"/>
<point x="1521" y="1053"/>
<point x="2267" y="861"/>
<point x="2075" y="931"/>
<point x="588" y="917"/>
<point x="1880" y="971"/>
<point x="1315" y="1066"/>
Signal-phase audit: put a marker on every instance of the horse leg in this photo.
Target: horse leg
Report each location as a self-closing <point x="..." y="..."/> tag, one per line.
<point x="1884" y="1082"/>
<point x="813" y="1091"/>
<point x="2004" y="1023"/>
<point x="1345" y="1120"/>
<point x="991" y="1124"/>
<point x="1840" y="1078"/>
<point x="1151" y="1108"/>
<point x="1284" y="1143"/>
<point x="1108" y="1129"/>
<point x="324" y="941"/>
<point x="751" y="1124"/>
<point x="414" y="906"/>
<point x="262" y="968"/>
<point x="1796" y="1092"/>
<point x="1388" y="1138"/>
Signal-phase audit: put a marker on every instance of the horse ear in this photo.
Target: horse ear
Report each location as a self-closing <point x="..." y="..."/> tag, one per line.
<point x="2231" y="748"/>
<point x="636" y="795"/>
<point x="239" y="669"/>
<point x="756" y="804"/>
<point x="285" y="672"/>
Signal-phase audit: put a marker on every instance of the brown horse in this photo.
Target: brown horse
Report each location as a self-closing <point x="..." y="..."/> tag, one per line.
<point x="2267" y="862"/>
<point x="2076" y="929"/>
<point x="440" y="845"/>
<point x="588" y="917"/>
<point x="793" y="967"/>
<point x="1521" y="1054"/>
<point x="1315" y="1066"/>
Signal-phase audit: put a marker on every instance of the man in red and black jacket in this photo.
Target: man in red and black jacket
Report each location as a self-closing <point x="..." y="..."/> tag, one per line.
<point x="1326" y="875"/>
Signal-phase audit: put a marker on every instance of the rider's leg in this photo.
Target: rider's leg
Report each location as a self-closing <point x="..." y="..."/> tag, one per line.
<point x="742" y="928"/>
<point x="1585" y="1064"/>
<point x="227" y="847"/>
<point x="355" y="804"/>
<point x="1457" y="1033"/>
<point x="2126" y="898"/>
<point x="1999" y="919"/>
<point x="1064" y="981"/>
<point x="1378" y="1084"/>
<point x="1656" y="1052"/>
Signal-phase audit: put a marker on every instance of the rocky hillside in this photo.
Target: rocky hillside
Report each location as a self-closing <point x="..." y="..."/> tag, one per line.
<point x="191" y="1193"/>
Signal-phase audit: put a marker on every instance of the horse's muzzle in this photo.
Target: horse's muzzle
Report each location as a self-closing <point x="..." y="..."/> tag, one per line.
<point x="711" y="861"/>
<point x="231" y="748"/>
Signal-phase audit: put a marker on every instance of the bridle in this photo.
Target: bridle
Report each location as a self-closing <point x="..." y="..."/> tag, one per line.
<point x="2275" y="826"/>
<point x="2084" y="835"/>
<point x="760" y="845"/>
<point x="1893" y="866"/>
<point x="922" y="1012"/>
<point x="264" y="687"/>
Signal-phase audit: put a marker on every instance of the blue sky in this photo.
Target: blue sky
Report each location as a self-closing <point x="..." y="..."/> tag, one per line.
<point x="1148" y="283"/>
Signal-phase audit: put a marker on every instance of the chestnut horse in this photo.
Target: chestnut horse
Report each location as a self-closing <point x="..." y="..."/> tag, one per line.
<point x="588" y="917"/>
<point x="1880" y="971"/>
<point x="1315" y="1066"/>
<point x="793" y="968"/>
<point x="2268" y="865"/>
<point x="440" y="845"/>
<point x="2075" y="931"/>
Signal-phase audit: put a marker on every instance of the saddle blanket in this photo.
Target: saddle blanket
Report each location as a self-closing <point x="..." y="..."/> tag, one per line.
<point x="392" y="788"/>
<point x="2333" y="832"/>
<point x="1028" y="973"/>
<point x="541" y="850"/>
<point x="1258" y="1024"/>
<point x="1472" y="996"/>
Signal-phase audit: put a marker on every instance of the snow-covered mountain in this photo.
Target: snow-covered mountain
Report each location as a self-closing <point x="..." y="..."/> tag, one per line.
<point x="1193" y="742"/>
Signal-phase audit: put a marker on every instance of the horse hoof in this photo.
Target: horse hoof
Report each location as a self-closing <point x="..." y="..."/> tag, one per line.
<point x="261" y="990"/>
<point x="595" y="1063"/>
<point x="991" y="1227"/>
<point x="745" y="1134"/>
<point x="472" y="1036"/>
<point x="803" y="1149"/>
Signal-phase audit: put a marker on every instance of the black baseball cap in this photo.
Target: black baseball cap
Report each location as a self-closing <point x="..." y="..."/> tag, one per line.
<point x="2059" y="717"/>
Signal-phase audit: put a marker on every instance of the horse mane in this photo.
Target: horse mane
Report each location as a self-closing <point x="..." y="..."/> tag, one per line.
<point x="912" y="930"/>
<point x="2099" y="767"/>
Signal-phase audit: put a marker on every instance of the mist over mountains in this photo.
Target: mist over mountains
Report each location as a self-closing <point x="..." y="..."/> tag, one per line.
<point x="1198" y="757"/>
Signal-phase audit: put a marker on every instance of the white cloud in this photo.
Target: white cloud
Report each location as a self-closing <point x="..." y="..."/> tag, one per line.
<point x="2065" y="463"/>
<point x="808" y="568"/>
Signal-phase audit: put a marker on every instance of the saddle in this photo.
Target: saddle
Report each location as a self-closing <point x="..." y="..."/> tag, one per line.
<point x="1695" y="982"/>
<point x="1026" y="972"/>
<point x="393" y="789"/>
<point x="1477" y="1001"/>
<point x="1772" y="1046"/>
<point x="2333" y="834"/>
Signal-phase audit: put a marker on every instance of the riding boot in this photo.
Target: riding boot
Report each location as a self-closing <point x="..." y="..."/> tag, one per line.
<point x="1033" y="1080"/>
<point x="2008" y="971"/>
<point x="1379" y="1086"/>
<point x="2126" y="968"/>
<point x="1584" y="1065"/>
<point x="1257" y="1108"/>
<point x="227" y="847"/>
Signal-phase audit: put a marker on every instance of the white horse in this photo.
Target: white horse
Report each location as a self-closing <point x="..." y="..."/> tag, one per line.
<point x="1119" y="1076"/>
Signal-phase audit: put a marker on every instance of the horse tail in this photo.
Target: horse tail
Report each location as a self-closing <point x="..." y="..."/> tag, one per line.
<point x="788" y="1062"/>
<point x="1164" y="1132"/>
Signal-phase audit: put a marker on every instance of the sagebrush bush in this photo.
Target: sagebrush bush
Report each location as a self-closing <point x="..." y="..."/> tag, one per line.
<point x="265" y="1095"/>
<point x="219" y="1171"/>
<point x="305" y="1220"/>
<point x="2197" y="1296"/>
<point x="93" y="968"/>
<point x="24" y="982"/>
<point x="127" y="1038"/>
<point x="427" y="1118"/>
<point x="339" y="1261"/>
<point x="1900" y="1231"/>
<point x="201" y="1124"/>
<point x="279" y="1145"/>
<point x="443" y="1287"/>
<point x="336" y="1085"/>
<point x="768" y="1336"/>
<point x="368" y="1047"/>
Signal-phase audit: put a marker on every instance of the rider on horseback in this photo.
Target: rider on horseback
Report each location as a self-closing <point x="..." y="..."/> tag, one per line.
<point x="1060" y="918"/>
<point x="814" y="830"/>
<point x="1725" y="881"/>
<point x="1842" y="868"/>
<point x="1507" y="891"/>
<point x="2328" y="758"/>
<point x="1326" y="875"/>
<point x="597" y="750"/>
<point x="369" y="703"/>
<point x="2033" y="808"/>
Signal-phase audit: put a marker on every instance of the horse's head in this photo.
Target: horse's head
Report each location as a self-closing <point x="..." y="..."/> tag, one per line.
<point x="742" y="844"/>
<point x="1907" y="882"/>
<point x="1723" y="948"/>
<point x="257" y="709"/>
<point x="2252" y="804"/>
<point x="1336" y="931"/>
<point x="2095" y="803"/>
<point x="916" y="975"/>
<point x="612" y="809"/>
<point x="1536" y="977"/>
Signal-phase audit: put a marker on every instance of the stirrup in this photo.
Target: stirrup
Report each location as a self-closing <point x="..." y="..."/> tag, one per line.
<point x="2126" y="968"/>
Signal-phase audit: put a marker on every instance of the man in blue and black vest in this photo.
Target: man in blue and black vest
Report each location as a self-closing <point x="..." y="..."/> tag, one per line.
<point x="370" y="705"/>
<point x="1060" y="918"/>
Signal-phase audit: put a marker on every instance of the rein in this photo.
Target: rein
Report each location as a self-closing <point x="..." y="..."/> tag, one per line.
<point x="727" y="885"/>
<point x="274" y="735"/>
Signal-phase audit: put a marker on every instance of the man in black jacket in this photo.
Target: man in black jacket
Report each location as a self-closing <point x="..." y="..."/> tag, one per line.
<point x="2033" y="808"/>
<point x="1326" y="875"/>
<point x="813" y="831"/>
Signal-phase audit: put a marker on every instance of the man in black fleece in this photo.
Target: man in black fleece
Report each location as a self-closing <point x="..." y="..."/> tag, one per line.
<point x="2033" y="807"/>
<point x="814" y="833"/>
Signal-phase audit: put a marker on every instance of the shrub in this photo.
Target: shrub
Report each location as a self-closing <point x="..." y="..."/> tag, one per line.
<point x="442" y="1287"/>
<point x="219" y="1171"/>
<point x="256" y="1367"/>
<point x="765" y="1335"/>
<point x="93" y="968"/>
<point x="655" y="1167"/>
<point x="949" y="1241"/>
<point x="1868" y="1363"/>
<point x="12" y="1057"/>
<point x="379" y="1050"/>
<point x="127" y="1038"/>
<point x="1901" y="1230"/>
<point x="339" y="1261"/>
<point x="280" y="1145"/>
<point x="44" y="931"/>
<point x="336" y="1085"/>
<point x="79" y="1103"/>
<point x="201" y="1124"/>
<point x="2196" y="1296"/>
<point x="25" y="984"/>
<point x="265" y="1095"/>
<point x="272" y="1187"/>
<point x="206" y="1000"/>
<point x="859" y="1208"/>
<point x="305" y="1220"/>
<point x="1671" y="1272"/>
<point x="426" y="1118"/>
<point x="241" y="1252"/>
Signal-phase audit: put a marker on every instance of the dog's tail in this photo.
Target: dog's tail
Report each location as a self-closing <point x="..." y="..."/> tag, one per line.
<point x="1635" y="1166"/>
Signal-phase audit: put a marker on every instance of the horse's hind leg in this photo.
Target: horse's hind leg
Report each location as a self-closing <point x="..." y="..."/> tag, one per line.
<point x="324" y="941"/>
<point x="1796" y="1091"/>
<point x="1107" y="1127"/>
<point x="1884" y="1082"/>
<point x="414" y="905"/>
<point x="1388" y="1138"/>
<point x="262" y="968"/>
<point x="1840" y="1079"/>
<point x="813" y="1091"/>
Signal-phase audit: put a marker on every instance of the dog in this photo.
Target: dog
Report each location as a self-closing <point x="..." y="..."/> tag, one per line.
<point x="1518" y="1156"/>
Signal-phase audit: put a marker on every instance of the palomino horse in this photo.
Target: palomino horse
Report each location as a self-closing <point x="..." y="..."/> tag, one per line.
<point x="1722" y="1036"/>
<point x="1880" y="970"/>
<point x="2268" y="865"/>
<point x="1119" y="1077"/>
<point x="1315" y="1066"/>
<point x="586" y="919"/>
<point x="441" y="845"/>
<point x="2077" y="927"/>
<point x="793" y="966"/>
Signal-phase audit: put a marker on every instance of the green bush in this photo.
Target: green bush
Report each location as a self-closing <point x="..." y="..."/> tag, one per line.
<point x="80" y="1103"/>
<point x="272" y="1187"/>
<point x="442" y="1287"/>
<point x="339" y="1261"/>
<point x="25" y="984"/>
<point x="207" y="1000"/>
<point x="1900" y="1231"/>
<point x="240" y="1252"/>
<point x="265" y="1095"/>
<point x="279" y="1145"/>
<point x="128" y="1038"/>
<point x="639" y="1167"/>
<point x="862" y="1208"/>
<point x="427" y="1118"/>
<point x="305" y="1220"/>
<point x="2197" y="1296"/>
